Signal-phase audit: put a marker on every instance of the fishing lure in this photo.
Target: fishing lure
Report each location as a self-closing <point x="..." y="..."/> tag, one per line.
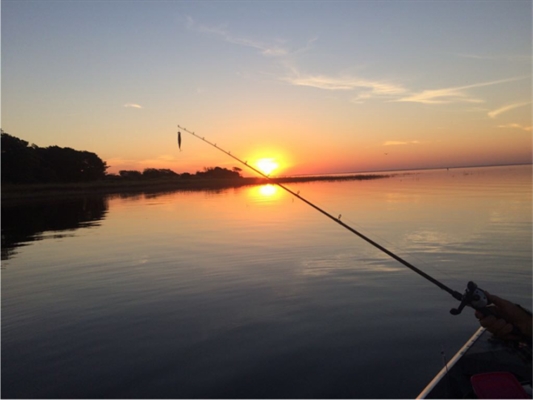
<point x="179" y="140"/>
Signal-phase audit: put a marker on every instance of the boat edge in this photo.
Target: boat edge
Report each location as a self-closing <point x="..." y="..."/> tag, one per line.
<point x="451" y="363"/>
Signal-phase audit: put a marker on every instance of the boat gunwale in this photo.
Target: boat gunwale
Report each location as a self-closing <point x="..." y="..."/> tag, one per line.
<point x="431" y="385"/>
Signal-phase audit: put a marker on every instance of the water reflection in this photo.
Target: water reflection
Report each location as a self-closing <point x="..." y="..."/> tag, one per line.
<point x="248" y="294"/>
<point x="23" y="223"/>
<point x="268" y="190"/>
<point x="268" y="193"/>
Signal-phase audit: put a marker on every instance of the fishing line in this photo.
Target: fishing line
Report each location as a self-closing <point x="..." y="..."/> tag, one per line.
<point x="412" y="258"/>
<point x="337" y="220"/>
<point x="473" y="296"/>
<point x="391" y="245"/>
<point x="415" y="258"/>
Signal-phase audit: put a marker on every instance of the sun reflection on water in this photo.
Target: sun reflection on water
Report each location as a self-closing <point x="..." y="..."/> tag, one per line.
<point x="268" y="190"/>
<point x="268" y="193"/>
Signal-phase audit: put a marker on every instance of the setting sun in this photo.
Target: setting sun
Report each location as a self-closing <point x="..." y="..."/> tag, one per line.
<point x="266" y="165"/>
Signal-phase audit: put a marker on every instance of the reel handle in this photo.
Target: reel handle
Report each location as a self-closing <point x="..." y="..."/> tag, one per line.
<point x="475" y="298"/>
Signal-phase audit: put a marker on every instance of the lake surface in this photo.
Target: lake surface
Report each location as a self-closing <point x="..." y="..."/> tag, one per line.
<point x="250" y="293"/>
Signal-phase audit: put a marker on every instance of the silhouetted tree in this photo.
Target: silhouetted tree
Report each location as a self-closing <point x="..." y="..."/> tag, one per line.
<point x="18" y="160"/>
<point x="130" y="174"/>
<point x="71" y="165"/>
<point x="154" y="173"/>
<point x="217" y="173"/>
<point x="26" y="164"/>
<point x="112" y="177"/>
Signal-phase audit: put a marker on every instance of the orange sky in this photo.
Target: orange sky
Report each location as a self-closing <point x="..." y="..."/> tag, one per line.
<point x="318" y="88"/>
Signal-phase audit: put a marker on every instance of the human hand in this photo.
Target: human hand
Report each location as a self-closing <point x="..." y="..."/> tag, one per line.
<point x="508" y="315"/>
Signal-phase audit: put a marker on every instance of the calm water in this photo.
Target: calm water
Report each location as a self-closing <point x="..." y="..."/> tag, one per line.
<point x="249" y="293"/>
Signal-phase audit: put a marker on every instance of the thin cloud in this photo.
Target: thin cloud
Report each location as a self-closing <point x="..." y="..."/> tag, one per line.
<point x="475" y="56"/>
<point x="516" y="126"/>
<point x="398" y="143"/>
<point x="132" y="105"/>
<point x="506" y="57"/>
<point x="451" y="95"/>
<point x="224" y="34"/>
<point x="495" y="113"/>
<point x="365" y="88"/>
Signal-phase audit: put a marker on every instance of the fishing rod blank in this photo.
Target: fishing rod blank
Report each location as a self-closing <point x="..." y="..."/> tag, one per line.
<point x="473" y="296"/>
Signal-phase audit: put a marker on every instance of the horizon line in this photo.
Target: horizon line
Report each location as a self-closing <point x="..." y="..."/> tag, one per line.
<point x="406" y="169"/>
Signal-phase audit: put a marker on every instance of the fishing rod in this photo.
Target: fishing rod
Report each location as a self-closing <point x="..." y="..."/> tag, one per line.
<point x="473" y="296"/>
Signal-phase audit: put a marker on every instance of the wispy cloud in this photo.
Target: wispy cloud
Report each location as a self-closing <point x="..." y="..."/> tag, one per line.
<point x="132" y="105"/>
<point x="365" y="88"/>
<point x="451" y="95"/>
<point x="506" y="57"/>
<point x="516" y="126"/>
<point x="222" y="33"/>
<point x="501" y="110"/>
<point x="398" y="143"/>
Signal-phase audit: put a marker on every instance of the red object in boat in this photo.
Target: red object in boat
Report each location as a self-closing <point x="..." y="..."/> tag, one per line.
<point x="497" y="385"/>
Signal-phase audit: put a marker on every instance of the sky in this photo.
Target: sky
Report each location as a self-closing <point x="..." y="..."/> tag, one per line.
<point x="314" y="86"/>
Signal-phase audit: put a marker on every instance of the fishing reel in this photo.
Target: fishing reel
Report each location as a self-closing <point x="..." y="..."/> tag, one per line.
<point x="473" y="297"/>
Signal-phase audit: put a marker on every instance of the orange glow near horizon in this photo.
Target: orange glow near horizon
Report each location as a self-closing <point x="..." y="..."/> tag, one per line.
<point x="343" y="156"/>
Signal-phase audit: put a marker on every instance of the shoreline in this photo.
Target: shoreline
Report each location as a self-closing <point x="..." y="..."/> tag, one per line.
<point x="416" y="170"/>
<point x="14" y="193"/>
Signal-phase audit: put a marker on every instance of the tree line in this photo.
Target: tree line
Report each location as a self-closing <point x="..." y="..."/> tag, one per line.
<point x="24" y="163"/>
<point x="155" y="173"/>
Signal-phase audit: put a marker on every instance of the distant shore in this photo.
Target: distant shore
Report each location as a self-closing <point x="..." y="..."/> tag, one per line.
<point x="23" y="192"/>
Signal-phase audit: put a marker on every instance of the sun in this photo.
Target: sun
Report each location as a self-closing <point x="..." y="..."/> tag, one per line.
<point x="266" y="165"/>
